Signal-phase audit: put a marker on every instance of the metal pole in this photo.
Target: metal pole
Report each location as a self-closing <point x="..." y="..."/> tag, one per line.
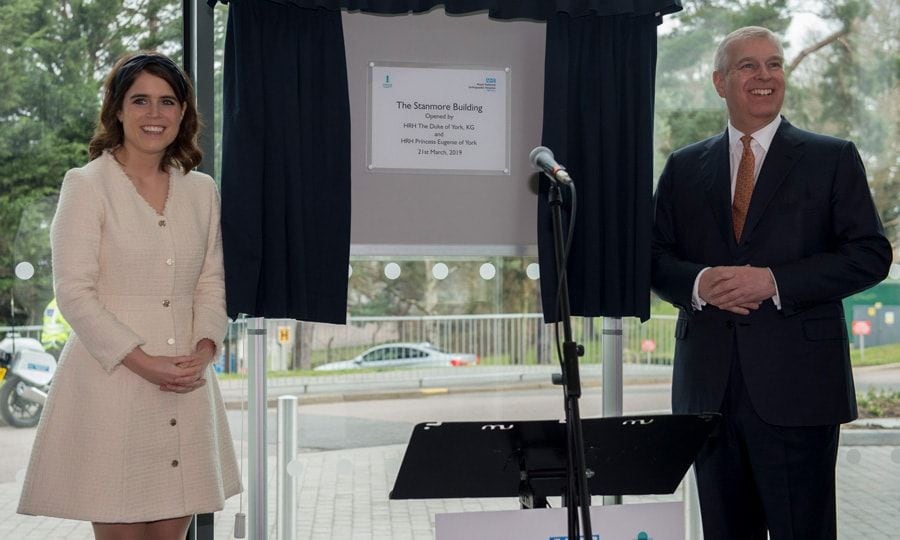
<point x="197" y="55"/>
<point x="287" y="451"/>
<point x="199" y="62"/>
<point x="256" y="420"/>
<point x="612" y="378"/>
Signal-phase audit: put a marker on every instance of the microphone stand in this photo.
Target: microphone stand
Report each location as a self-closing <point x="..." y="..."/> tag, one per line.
<point x="577" y="494"/>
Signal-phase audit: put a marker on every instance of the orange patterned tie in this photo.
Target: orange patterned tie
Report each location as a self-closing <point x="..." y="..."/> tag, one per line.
<point x="743" y="188"/>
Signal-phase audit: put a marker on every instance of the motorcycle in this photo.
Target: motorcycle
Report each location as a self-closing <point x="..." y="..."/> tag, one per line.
<point x="25" y="374"/>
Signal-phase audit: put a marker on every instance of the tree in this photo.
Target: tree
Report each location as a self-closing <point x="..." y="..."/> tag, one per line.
<point x="53" y="58"/>
<point x="849" y="88"/>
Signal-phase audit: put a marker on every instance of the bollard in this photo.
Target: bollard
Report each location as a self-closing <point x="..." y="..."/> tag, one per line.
<point x="612" y="378"/>
<point x="287" y="452"/>
<point x="693" y="526"/>
<point x="256" y="406"/>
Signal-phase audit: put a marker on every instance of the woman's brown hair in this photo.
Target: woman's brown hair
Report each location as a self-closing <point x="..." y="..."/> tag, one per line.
<point x="183" y="152"/>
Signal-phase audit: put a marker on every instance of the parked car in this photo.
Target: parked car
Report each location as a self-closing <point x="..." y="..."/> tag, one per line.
<point x="394" y="355"/>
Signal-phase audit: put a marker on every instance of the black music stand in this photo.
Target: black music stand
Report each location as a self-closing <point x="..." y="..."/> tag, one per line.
<point x="627" y="455"/>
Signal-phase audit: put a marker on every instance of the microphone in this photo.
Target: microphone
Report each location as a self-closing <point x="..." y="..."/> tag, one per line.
<point x="541" y="158"/>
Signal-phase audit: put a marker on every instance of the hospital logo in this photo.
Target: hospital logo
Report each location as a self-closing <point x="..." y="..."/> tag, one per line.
<point x="489" y="84"/>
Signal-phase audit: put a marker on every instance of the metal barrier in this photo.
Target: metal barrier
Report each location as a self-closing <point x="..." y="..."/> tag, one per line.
<point x="498" y="339"/>
<point x="23" y="331"/>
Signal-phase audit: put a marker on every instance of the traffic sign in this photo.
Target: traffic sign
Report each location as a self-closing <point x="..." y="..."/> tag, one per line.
<point x="861" y="328"/>
<point x="284" y="334"/>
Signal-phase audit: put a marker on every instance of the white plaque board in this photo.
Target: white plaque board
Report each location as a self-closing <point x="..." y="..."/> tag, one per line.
<point x="643" y="521"/>
<point x="438" y="119"/>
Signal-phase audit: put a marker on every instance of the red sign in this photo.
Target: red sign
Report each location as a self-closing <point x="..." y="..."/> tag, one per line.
<point x="861" y="328"/>
<point x="648" y="345"/>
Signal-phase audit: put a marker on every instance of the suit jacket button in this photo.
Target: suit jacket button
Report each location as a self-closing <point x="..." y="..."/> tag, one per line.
<point x="729" y="325"/>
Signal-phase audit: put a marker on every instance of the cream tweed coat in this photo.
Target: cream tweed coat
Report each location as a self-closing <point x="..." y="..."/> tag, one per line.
<point x="112" y="447"/>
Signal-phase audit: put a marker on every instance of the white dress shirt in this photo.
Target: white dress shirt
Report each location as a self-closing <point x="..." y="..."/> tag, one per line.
<point x="759" y="145"/>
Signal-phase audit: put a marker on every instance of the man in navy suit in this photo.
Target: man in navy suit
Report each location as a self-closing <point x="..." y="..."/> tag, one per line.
<point x="759" y="232"/>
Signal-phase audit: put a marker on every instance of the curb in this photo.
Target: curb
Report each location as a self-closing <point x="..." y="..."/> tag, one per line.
<point x="870" y="437"/>
<point x="305" y="398"/>
<point x="308" y="399"/>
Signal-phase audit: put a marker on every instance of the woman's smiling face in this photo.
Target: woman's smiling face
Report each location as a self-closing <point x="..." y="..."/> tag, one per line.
<point x="151" y="115"/>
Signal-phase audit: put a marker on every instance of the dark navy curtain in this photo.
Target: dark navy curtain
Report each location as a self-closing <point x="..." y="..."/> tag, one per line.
<point x="285" y="163"/>
<point x="286" y="159"/>
<point x="598" y="120"/>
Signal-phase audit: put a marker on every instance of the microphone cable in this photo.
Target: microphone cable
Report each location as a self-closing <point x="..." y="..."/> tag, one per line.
<point x="562" y="272"/>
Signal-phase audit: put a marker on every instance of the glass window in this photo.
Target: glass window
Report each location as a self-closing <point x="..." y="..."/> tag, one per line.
<point x="377" y="354"/>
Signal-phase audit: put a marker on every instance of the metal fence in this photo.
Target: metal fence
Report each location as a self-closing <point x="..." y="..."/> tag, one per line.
<point x="23" y="331"/>
<point x="499" y="339"/>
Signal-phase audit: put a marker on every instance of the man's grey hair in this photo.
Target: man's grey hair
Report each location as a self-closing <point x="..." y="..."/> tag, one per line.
<point x="748" y="32"/>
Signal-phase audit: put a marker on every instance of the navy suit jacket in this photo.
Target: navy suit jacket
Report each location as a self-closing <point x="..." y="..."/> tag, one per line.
<point x="812" y="221"/>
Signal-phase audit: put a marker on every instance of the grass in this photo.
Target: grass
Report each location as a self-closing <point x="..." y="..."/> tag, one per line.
<point x="875" y="356"/>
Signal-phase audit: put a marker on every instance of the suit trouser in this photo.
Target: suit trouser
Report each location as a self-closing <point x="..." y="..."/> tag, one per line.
<point x="753" y="476"/>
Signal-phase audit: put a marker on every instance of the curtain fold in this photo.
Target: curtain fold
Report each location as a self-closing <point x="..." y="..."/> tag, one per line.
<point x="285" y="163"/>
<point x="598" y="120"/>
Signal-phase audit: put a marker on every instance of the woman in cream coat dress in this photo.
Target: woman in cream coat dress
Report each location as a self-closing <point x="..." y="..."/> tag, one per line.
<point x="134" y="436"/>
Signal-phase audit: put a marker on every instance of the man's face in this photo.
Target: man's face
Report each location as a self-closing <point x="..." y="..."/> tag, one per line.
<point x="753" y="83"/>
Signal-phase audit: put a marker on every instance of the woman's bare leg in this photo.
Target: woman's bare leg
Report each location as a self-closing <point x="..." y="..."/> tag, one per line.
<point x="168" y="529"/>
<point x="164" y="529"/>
<point x="119" y="531"/>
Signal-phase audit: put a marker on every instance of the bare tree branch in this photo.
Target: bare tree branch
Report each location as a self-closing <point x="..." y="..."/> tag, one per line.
<point x="816" y="46"/>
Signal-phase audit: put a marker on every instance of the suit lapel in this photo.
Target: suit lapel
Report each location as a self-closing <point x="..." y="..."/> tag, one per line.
<point x="783" y="153"/>
<point x="715" y="171"/>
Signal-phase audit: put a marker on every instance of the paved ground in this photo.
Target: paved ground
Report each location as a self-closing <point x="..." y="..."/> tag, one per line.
<point x="344" y="493"/>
